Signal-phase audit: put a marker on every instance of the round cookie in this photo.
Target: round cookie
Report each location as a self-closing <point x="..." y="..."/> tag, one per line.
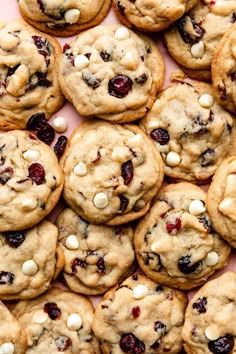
<point x="111" y="172"/>
<point x="28" y="75"/>
<point x="179" y="221"/>
<point x="192" y="40"/>
<point x="112" y="73"/>
<point x="140" y="316"/>
<point x="151" y="15"/>
<point x="210" y="318"/>
<point x="190" y="130"/>
<point x="224" y="70"/>
<point x="64" y="18"/>
<point x="31" y="180"/>
<point x="96" y="256"/>
<point x="58" y="321"/>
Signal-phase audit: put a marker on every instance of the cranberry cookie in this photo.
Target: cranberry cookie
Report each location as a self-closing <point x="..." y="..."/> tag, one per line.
<point x="210" y="318"/>
<point x="140" y="316"/>
<point x="179" y="221"/>
<point x="31" y="180"/>
<point x="192" y="40"/>
<point x="151" y="15"/>
<point x="64" y="17"/>
<point x="111" y="172"/>
<point x="58" y="321"/>
<point x="96" y="256"/>
<point x="29" y="76"/>
<point x="190" y="130"/>
<point x="112" y="73"/>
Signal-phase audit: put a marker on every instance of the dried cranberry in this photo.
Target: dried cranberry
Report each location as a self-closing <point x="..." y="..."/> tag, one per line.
<point x="98" y="157"/>
<point x="173" y="227"/>
<point x="123" y="203"/>
<point x="160" y="135"/>
<point x="101" y="265"/>
<point x="127" y="171"/>
<point x="77" y="263"/>
<point x="156" y="344"/>
<point x="222" y="345"/>
<point x="160" y="328"/>
<point x="105" y="55"/>
<point x="206" y="223"/>
<point x="41" y="5"/>
<point x="60" y="146"/>
<point x="185" y="266"/>
<point x="131" y="344"/>
<point x="120" y="86"/>
<point x="120" y="7"/>
<point x="52" y="310"/>
<point x="6" y="277"/>
<point x="42" y="80"/>
<point x="37" y="173"/>
<point x="200" y="304"/>
<point x="195" y="33"/>
<point x="36" y="121"/>
<point x="222" y="92"/>
<point x="42" y="45"/>
<point x="63" y="343"/>
<point x="66" y="47"/>
<point x="5" y="175"/>
<point x="46" y="134"/>
<point x="136" y="312"/>
<point x="15" y="238"/>
<point x="208" y="157"/>
<point x="91" y="80"/>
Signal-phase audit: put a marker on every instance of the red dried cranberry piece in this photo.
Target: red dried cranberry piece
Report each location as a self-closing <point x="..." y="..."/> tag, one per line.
<point x="176" y="226"/>
<point x="60" y="146"/>
<point x="66" y="47"/>
<point x="160" y="328"/>
<point x="77" y="263"/>
<point x="123" y="203"/>
<point x="160" y="135"/>
<point x="101" y="266"/>
<point x="131" y="344"/>
<point x="52" y="310"/>
<point x="42" y="80"/>
<point x="156" y="344"/>
<point x="206" y="223"/>
<point x="37" y="173"/>
<point x="91" y="80"/>
<point x="222" y="345"/>
<point x="5" y="175"/>
<point x="127" y="171"/>
<point x="200" y="304"/>
<point x="136" y="312"/>
<point x="105" y="55"/>
<point x="194" y="34"/>
<point x="185" y="266"/>
<point x="42" y="45"/>
<point x="36" y="121"/>
<point x="6" y="277"/>
<point x="120" y="86"/>
<point x="46" y="134"/>
<point x="15" y="238"/>
<point x="63" y="343"/>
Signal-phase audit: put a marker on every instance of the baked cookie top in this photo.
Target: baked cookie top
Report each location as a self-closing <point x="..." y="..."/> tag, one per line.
<point x="64" y="17"/>
<point x="224" y="70"/>
<point x="58" y="321"/>
<point x="151" y="15"/>
<point x="190" y="130"/>
<point x="111" y="172"/>
<point x="28" y="74"/>
<point x="112" y="73"/>
<point x="31" y="180"/>
<point x="179" y="221"/>
<point x="140" y="316"/>
<point x="96" y="256"/>
<point x="210" y="318"/>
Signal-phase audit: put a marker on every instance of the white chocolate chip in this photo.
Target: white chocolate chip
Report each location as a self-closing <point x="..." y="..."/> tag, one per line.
<point x="29" y="267"/>
<point x="72" y="16"/>
<point x="198" y="50"/>
<point x="211" y="259"/>
<point x="173" y="159"/>
<point x="129" y="61"/>
<point x="40" y="317"/>
<point x="152" y="124"/>
<point x="80" y="169"/>
<point x="212" y="332"/>
<point x="74" y="322"/>
<point x="225" y="205"/>
<point x="120" y="153"/>
<point x="206" y="100"/>
<point x="31" y="155"/>
<point x="29" y="204"/>
<point x="7" y="348"/>
<point x="196" y="207"/>
<point x="72" y="242"/>
<point x="136" y="140"/>
<point x="81" y="62"/>
<point x="122" y="33"/>
<point x="100" y="200"/>
<point x="140" y="291"/>
<point x="60" y="124"/>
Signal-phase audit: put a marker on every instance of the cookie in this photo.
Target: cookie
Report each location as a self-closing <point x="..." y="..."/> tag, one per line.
<point x="192" y="40"/>
<point x="64" y="18"/>
<point x="223" y="70"/>
<point x="29" y="74"/>
<point x="140" y="316"/>
<point x="190" y="130"/>
<point x="178" y="220"/>
<point x="97" y="257"/>
<point x="111" y="172"/>
<point x="58" y="321"/>
<point x="210" y="318"/>
<point x="151" y="15"/>
<point x="31" y="180"/>
<point x="112" y="73"/>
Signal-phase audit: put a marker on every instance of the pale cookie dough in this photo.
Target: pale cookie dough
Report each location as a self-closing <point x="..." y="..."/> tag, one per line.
<point x="58" y="321"/>
<point x="190" y="130"/>
<point x="179" y="221"/>
<point x="224" y="70"/>
<point x="111" y="72"/>
<point x="221" y="200"/>
<point x="140" y="316"/>
<point x="192" y="40"/>
<point x="210" y="320"/>
<point x="64" y="17"/>
<point x="28" y="74"/>
<point x="111" y="172"/>
<point x="97" y="257"/>
<point x="31" y="180"/>
<point x="151" y="15"/>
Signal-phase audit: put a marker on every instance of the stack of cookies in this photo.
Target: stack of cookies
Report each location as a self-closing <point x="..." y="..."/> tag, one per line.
<point x="136" y="203"/>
